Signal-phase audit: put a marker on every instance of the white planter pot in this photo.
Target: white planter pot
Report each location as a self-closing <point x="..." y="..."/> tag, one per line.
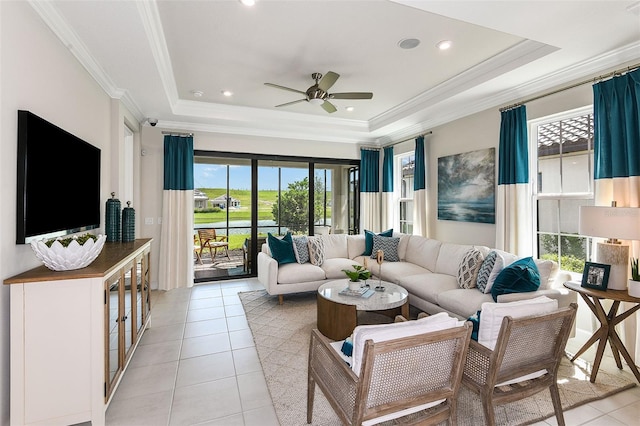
<point x="74" y="256"/>
<point x="634" y="288"/>
<point x="354" y="285"/>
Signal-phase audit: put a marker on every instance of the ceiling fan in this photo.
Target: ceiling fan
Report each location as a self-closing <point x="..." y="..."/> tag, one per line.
<point x="318" y="93"/>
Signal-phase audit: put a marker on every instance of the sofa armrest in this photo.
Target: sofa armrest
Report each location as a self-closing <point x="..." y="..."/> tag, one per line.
<point x="267" y="272"/>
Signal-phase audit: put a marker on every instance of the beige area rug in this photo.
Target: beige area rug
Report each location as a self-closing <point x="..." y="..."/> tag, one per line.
<point x="281" y="334"/>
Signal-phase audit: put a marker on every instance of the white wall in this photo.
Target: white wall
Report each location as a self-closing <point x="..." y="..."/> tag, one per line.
<point x="39" y="74"/>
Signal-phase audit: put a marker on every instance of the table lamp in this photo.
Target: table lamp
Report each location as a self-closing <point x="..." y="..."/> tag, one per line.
<point x="613" y="223"/>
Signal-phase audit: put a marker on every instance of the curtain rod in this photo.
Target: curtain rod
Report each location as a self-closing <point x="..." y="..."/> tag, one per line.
<point x="601" y="77"/>
<point x="177" y="134"/>
<point x="408" y="139"/>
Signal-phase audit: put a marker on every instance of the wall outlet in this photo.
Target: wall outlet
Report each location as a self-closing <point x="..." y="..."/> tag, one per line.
<point x="148" y="221"/>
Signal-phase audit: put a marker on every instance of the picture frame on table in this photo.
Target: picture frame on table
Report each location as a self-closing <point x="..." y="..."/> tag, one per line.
<point x="595" y="275"/>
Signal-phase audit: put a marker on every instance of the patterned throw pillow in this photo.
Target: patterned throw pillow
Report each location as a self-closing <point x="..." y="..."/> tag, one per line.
<point x="301" y="248"/>
<point x="485" y="271"/>
<point x="469" y="267"/>
<point x="389" y="245"/>
<point x="316" y="250"/>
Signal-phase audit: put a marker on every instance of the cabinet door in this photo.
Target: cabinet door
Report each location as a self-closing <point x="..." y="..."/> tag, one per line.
<point x="113" y="360"/>
<point x="129" y="309"/>
<point x="146" y="285"/>
<point x="139" y="295"/>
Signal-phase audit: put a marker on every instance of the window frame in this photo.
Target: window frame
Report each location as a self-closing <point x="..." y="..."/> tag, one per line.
<point x="398" y="199"/>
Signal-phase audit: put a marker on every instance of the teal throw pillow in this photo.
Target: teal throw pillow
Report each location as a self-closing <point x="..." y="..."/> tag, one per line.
<point x="520" y="277"/>
<point x="368" y="240"/>
<point x="282" y="249"/>
<point x="475" y="323"/>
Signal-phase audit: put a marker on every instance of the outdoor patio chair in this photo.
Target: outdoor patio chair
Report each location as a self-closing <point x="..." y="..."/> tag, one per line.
<point x="524" y="361"/>
<point x="212" y="242"/>
<point x="417" y="375"/>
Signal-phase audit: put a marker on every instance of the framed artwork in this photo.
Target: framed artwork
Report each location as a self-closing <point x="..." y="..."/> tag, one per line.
<point x="595" y="275"/>
<point x="466" y="186"/>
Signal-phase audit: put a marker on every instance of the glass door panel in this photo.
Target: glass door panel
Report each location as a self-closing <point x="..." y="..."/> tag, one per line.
<point x="112" y="313"/>
<point x="128" y="312"/>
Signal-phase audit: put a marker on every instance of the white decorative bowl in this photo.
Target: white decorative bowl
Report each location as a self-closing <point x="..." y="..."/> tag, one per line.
<point x="74" y="256"/>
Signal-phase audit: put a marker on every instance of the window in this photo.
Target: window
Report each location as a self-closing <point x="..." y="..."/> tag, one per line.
<point x="564" y="182"/>
<point x="405" y="165"/>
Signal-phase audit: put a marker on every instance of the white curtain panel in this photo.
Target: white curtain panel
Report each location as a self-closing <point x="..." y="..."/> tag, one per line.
<point x="420" y="222"/>
<point x="625" y="191"/>
<point x="370" y="212"/>
<point x="176" y="241"/>
<point x="513" y="227"/>
<point x="388" y="210"/>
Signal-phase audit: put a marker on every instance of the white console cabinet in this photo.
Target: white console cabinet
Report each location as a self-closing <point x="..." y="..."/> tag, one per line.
<point x="73" y="333"/>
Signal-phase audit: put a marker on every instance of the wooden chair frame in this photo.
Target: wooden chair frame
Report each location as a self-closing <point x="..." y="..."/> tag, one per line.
<point x="209" y="240"/>
<point x="524" y="346"/>
<point x="381" y="388"/>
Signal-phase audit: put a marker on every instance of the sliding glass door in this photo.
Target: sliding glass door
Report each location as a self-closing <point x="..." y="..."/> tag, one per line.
<point x="240" y="198"/>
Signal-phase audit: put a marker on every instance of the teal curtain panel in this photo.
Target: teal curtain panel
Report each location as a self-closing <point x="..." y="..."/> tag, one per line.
<point x="369" y="170"/>
<point x="513" y="167"/>
<point x="616" y="110"/>
<point x="420" y="167"/>
<point x="178" y="163"/>
<point x="387" y="170"/>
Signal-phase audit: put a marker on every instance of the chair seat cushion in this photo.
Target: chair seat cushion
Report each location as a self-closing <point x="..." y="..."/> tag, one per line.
<point x="493" y="313"/>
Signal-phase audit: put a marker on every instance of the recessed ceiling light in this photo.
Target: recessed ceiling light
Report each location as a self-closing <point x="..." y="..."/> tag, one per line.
<point x="444" y="44"/>
<point x="408" y="43"/>
<point x="349" y="108"/>
<point x="248" y="2"/>
<point x="227" y="93"/>
<point x="197" y="93"/>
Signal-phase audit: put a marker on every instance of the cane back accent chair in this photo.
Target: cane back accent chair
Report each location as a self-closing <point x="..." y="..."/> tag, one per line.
<point x="209" y="240"/>
<point x="526" y="347"/>
<point x="397" y="377"/>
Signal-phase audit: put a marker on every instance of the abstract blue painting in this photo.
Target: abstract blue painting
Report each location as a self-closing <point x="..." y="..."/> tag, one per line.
<point x="466" y="186"/>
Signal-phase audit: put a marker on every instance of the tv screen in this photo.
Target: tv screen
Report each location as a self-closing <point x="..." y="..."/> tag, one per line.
<point x="58" y="181"/>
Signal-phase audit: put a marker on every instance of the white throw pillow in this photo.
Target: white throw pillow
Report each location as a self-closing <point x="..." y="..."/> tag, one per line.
<point x="379" y="333"/>
<point x="316" y="250"/>
<point x="491" y="315"/>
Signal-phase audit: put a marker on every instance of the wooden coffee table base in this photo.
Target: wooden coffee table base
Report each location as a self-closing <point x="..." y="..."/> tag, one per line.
<point x="337" y="320"/>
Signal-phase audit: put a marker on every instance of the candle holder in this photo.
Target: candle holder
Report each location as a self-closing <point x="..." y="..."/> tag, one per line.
<point x="379" y="260"/>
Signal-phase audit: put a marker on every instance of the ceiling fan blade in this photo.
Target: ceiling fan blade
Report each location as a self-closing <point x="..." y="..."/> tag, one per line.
<point x="329" y="107"/>
<point x="351" y="95"/>
<point x="328" y="80"/>
<point x="277" y="86"/>
<point x="291" y="103"/>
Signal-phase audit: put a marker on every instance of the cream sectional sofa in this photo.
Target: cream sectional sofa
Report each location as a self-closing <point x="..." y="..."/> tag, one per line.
<point x="427" y="268"/>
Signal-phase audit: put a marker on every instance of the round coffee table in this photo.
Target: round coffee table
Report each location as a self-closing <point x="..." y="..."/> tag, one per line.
<point x="338" y="316"/>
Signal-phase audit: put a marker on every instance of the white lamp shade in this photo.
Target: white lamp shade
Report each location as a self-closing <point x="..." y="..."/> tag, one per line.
<point x="610" y="222"/>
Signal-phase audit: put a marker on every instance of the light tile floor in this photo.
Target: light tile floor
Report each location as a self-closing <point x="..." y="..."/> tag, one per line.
<point x="197" y="365"/>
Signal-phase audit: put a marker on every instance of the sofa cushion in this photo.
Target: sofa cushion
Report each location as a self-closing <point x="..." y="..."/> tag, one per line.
<point x="382" y="332"/>
<point x="316" y="250"/>
<point x="282" y="248"/>
<point x="462" y="302"/>
<point x="423" y="252"/>
<point x="402" y="245"/>
<point x="548" y="272"/>
<point x="468" y="268"/>
<point x="493" y="313"/>
<point x="301" y="248"/>
<point x="291" y="273"/>
<point x="449" y="258"/>
<point x="335" y="245"/>
<point x="503" y="259"/>
<point x="333" y="267"/>
<point x="520" y="277"/>
<point x="368" y="240"/>
<point x="428" y="287"/>
<point x="388" y="245"/>
<point x="355" y="246"/>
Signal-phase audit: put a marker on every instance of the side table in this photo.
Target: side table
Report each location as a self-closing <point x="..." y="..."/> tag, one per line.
<point x="608" y="322"/>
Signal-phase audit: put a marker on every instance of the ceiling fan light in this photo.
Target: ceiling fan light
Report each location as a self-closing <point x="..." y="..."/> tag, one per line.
<point x="248" y="2"/>
<point x="316" y="101"/>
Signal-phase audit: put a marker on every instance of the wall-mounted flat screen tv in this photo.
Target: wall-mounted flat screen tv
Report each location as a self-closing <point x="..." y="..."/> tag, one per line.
<point x="58" y="181"/>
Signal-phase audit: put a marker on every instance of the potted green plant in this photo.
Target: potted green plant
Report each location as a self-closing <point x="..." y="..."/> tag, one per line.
<point x="359" y="273"/>
<point x="634" y="282"/>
